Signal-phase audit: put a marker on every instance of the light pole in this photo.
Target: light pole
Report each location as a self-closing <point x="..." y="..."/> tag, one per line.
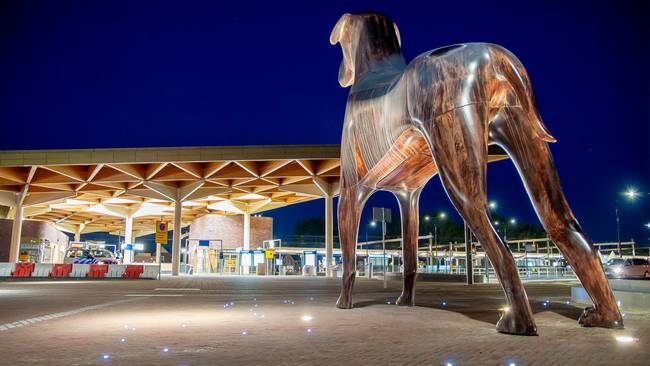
<point x="513" y="222"/>
<point x="631" y="194"/>
<point x="427" y="218"/>
<point x="372" y="224"/>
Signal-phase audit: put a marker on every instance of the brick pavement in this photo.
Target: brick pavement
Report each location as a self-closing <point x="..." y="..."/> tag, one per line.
<point x="197" y="329"/>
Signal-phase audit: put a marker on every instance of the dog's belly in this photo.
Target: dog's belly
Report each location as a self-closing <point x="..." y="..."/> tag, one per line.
<point x="407" y="165"/>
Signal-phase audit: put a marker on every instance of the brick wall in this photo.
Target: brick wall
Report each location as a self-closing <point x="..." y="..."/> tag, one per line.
<point x="32" y="232"/>
<point x="230" y="229"/>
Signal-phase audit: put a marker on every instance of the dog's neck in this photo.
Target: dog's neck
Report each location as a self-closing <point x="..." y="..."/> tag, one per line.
<point x="376" y="54"/>
<point x="370" y="72"/>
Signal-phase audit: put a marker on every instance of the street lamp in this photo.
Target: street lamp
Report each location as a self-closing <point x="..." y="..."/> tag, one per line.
<point x="631" y="194"/>
<point x="441" y="216"/>
<point x="372" y="224"/>
<point x="512" y="221"/>
<point x="492" y="205"/>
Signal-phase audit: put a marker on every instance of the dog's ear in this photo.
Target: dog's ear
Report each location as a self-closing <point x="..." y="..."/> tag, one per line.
<point x="335" y="37"/>
<point x="399" y="38"/>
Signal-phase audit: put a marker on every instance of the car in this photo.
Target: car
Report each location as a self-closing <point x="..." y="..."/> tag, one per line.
<point x="627" y="268"/>
<point x="90" y="256"/>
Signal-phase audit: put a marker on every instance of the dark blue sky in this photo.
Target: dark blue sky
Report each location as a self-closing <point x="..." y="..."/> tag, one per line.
<point x="179" y="73"/>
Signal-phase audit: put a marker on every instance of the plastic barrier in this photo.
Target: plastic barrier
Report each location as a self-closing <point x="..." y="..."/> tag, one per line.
<point x="79" y="270"/>
<point x="150" y="272"/>
<point x="6" y="269"/>
<point x="23" y="270"/>
<point x="61" y="270"/>
<point x="116" y="270"/>
<point x="98" y="270"/>
<point x="133" y="271"/>
<point x="42" y="270"/>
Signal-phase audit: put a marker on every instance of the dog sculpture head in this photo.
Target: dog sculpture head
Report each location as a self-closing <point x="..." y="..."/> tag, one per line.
<point x="364" y="38"/>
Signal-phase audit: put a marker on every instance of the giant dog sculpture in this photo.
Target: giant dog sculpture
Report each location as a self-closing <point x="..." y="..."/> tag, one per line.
<point x="437" y="115"/>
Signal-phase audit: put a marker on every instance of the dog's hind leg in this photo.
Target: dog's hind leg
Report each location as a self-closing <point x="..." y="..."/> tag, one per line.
<point x="532" y="157"/>
<point x="351" y="202"/>
<point x="459" y="146"/>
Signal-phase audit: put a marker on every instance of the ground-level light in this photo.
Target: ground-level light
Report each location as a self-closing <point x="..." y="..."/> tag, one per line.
<point x="626" y="339"/>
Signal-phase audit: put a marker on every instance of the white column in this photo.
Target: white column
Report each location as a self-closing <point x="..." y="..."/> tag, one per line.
<point x="128" y="229"/>
<point x="77" y="234"/>
<point x="329" y="235"/>
<point x="247" y="231"/>
<point x="16" y="231"/>
<point x="158" y="252"/>
<point x="176" y="239"/>
<point x="128" y="238"/>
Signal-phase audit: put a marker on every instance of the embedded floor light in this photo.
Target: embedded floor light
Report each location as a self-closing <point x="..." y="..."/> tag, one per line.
<point x="625" y="339"/>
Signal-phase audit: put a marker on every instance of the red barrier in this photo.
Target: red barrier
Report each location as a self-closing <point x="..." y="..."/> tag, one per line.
<point x="97" y="270"/>
<point x="23" y="270"/>
<point x="61" y="270"/>
<point x="133" y="271"/>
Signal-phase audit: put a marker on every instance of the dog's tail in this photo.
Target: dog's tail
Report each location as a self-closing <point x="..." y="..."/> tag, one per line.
<point x="517" y="77"/>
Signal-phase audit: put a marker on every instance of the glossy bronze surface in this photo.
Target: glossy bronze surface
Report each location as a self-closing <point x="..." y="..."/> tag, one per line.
<point x="438" y="115"/>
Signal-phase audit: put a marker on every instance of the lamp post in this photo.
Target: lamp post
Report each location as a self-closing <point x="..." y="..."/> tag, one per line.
<point x="631" y="194"/>
<point x="513" y="222"/>
<point x="427" y="218"/>
<point x="372" y="224"/>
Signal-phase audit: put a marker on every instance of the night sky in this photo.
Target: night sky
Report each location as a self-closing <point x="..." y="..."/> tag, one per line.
<point x="84" y="74"/>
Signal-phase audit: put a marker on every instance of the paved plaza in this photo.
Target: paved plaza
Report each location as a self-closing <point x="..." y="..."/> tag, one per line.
<point x="293" y="321"/>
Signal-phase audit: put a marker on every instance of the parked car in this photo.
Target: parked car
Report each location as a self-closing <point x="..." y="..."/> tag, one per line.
<point x="627" y="268"/>
<point x="90" y="256"/>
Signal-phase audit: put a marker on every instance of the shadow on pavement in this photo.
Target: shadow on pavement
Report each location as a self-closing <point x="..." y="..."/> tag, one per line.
<point x="478" y="307"/>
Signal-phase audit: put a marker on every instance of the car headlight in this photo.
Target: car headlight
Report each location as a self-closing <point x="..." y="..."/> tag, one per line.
<point x="617" y="270"/>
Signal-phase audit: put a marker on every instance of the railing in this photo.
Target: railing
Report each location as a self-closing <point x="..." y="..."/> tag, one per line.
<point x="531" y="273"/>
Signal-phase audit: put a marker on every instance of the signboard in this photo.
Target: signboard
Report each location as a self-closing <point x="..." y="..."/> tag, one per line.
<point x="381" y="214"/>
<point x="310" y="258"/>
<point x="77" y="244"/>
<point x="269" y="254"/>
<point x="230" y="263"/>
<point x="126" y="246"/>
<point x="258" y="257"/>
<point x="246" y="258"/>
<point x="204" y="243"/>
<point x="161" y="232"/>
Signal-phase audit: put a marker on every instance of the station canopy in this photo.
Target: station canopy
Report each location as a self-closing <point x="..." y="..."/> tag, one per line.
<point x="93" y="190"/>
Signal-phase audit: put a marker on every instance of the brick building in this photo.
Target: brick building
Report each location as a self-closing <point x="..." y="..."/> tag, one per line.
<point x="36" y="235"/>
<point x="230" y="229"/>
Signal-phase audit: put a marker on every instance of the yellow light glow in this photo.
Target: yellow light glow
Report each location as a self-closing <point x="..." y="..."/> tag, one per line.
<point x="306" y="318"/>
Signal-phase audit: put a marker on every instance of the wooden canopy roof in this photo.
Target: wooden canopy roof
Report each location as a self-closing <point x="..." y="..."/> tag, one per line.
<point x="92" y="190"/>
